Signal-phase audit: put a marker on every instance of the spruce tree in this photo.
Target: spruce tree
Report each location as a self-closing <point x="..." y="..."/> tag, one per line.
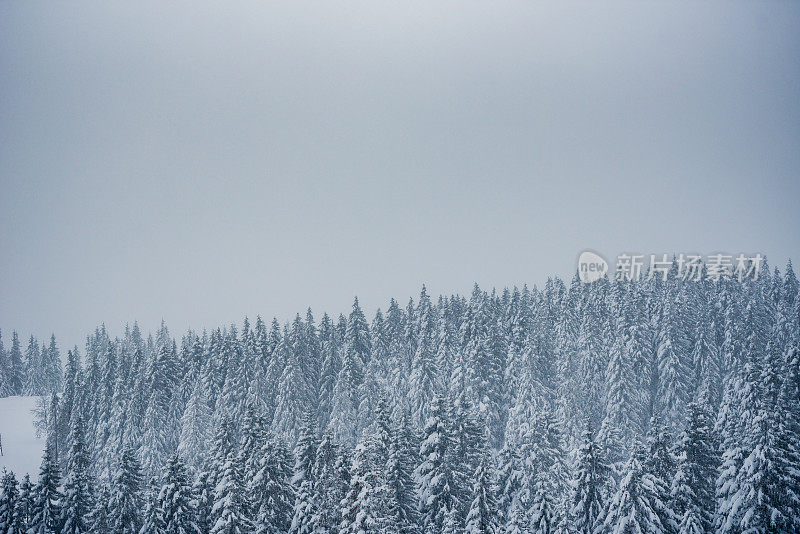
<point x="78" y="483"/>
<point x="9" y="495"/>
<point x="16" y="369"/>
<point x="175" y="501"/>
<point x="126" y="502"/>
<point x="24" y="514"/>
<point x="399" y="477"/>
<point x="435" y="473"/>
<point x="366" y="506"/>
<point x="482" y="515"/>
<point x="542" y="520"/>
<point x="230" y="502"/>
<point x="590" y="485"/>
<point x="635" y="507"/>
<point x="303" y="478"/>
<point x="46" y="510"/>
<point x="330" y="484"/>
<point x="693" y="486"/>
<point x="271" y="488"/>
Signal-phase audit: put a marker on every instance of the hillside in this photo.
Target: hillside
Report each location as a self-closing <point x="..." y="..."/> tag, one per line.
<point x="22" y="449"/>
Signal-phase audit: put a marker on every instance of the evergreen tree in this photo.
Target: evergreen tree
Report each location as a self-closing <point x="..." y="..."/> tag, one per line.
<point x="435" y="474"/>
<point x="16" y="369"/>
<point x="5" y="370"/>
<point x="482" y="515"/>
<point x="660" y="463"/>
<point x="542" y="520"/>
<point x="271" y="488"/>
<point x="99" y="517"/>
<point x="9" y="495"/>
<point x="175" y="501"/>
<point x="24" y="513"/>
<point x="78" y="484"/>
<point x="203" y="502"/>
<point x="366" y="506"/>
<point x="590" y="483"/>
<point x="423" y="366"/>
<point x="46" y="509"/>
<point x="635" y="508"/>
<point x="330" y="483"/>
<point x="195" y="426"/>
<point x="33" y="376"/>
<point x="347" y="392"/>
<point x="230" y="503"/>
<point x="693" y="485"/>
<point x="303" y="479"/>
<point x="126" y="503"/>
<point x="399" y="478"/>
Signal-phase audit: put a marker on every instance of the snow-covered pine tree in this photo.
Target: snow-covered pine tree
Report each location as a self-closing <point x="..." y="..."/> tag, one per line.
<point x="195" y="426"/>
<point x="621" y="423"/>
<point x="16" y="368"/>
<point x="126" y="503"/>
<point x="590" y="485"/>
<point x="4" y="370"/>
<point x="99" y="516"/>
<point x="660" y="463"/>
<point x="153" y="517"/>
<point x="400" y="477"/>
<point x="435" y="473"/>
<point x="331" y="365"/>
<point x="469" y="447"/>
<point x="788" y="404"/>
<point x="78" y="483"/>
<point x="693" y="486"/>
<point x="24" y="512"/>
<point x="271" y="488"/>
<point x="366" y="507"/>
<point x="347" y="391"/>
<point x="253" y="440"/>
<point x="331" y="480"/>
<point x="513" y="503"/>
<point x="33" y="377"/>
<point x="542" y="520"/>
<point x="424" y="372"/>
<point x="230" y="502"/>
<point x="46" y="510"/>
<point x="767" y="477"/>
<point x="203" y="502"/>
<point x="158" y="435"/>
<point x="635" y="507"/>
<point x="9" y="495"/>
<point x="293" y="399"/>
<point x="303" y="478"/>
<point x="175" y="501"/>
<point x="482" y="515"/>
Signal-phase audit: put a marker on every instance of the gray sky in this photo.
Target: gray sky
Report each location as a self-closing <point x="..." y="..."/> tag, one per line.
<point x="201" y="161"/>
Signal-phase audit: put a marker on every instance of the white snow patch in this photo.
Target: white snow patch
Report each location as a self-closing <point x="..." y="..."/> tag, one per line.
<point x="22" y="450"/>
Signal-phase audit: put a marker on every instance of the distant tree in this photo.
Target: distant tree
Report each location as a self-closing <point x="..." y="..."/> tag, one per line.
<point x="636" y="506"/>
<point x="46" y="509"/>
<point x="78" y="483"/>
<point x="435" y="473"/>
<point x="482" y="516"/>
<point x="175" y="501"/>
<point x="9" y="496"/>
<point x="126" y="503"/>
<point x="590" y="485"/>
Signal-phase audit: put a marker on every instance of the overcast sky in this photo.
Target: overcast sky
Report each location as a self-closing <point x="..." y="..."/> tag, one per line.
<point x="200" y="162"/>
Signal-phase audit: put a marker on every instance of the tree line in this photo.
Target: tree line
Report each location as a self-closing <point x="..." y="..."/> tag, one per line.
<point x="659" y="405"/>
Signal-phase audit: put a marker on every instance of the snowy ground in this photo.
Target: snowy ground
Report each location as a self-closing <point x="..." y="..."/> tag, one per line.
<point x="22" y="450"/>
